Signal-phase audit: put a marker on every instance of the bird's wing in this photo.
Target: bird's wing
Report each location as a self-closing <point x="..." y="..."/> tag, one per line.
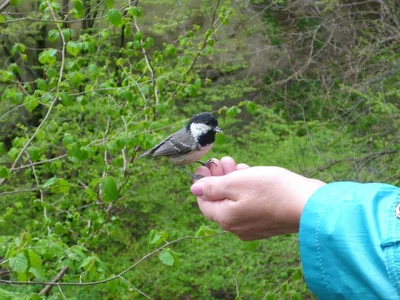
<point x="175" y="144"/>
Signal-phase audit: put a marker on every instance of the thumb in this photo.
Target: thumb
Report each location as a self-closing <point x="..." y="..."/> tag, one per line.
<point x="214" y="188"/>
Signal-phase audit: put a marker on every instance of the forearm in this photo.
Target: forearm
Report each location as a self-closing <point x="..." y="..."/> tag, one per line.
<point x="350" y="241"/>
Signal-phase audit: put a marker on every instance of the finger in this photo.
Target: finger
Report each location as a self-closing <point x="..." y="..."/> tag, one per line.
<point x="242" y="167"/>
<point x="216" y="168"/>
<point x="228" y="164"/>
<point x="216" y="188"/>
<point x="210" y="209"/>
<point x="203" y="171"/>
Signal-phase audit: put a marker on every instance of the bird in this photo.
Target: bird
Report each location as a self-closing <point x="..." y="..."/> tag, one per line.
<point x="189" y="144"/>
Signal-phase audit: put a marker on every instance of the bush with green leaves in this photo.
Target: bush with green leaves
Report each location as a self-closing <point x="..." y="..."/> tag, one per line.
<point x="87" y="86"/>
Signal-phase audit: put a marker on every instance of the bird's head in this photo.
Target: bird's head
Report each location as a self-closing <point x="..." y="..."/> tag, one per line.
<point x="203" y="124"/>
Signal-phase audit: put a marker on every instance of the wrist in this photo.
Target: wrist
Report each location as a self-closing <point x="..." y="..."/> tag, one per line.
<point x="299" y="192"/>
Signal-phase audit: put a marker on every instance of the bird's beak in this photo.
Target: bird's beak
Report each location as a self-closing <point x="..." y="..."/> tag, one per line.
<point x="217" y="129"/>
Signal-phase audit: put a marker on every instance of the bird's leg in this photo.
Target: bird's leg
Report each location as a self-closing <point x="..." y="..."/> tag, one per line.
<point x="207" y="163"/>
<point x="193" y="176"/>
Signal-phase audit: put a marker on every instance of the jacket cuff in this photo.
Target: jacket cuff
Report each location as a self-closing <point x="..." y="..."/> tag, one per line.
<point x="350" y="241"/>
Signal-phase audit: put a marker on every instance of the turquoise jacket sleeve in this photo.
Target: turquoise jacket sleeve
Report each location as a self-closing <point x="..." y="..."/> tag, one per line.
<point x="350" y="241"/>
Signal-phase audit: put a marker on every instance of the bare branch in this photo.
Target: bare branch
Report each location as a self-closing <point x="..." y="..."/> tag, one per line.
<point x="54" y="21"/>
<point x="40" y="162"/>
<point x="4" y="5"/>
<point x="365" y="159"/>
<point x="47" y="288"/>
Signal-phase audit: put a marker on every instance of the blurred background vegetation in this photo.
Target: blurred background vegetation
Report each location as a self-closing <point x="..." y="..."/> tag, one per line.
<point x="87" y="85"/>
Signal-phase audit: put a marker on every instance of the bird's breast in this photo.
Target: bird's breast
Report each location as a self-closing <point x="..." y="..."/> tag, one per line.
<point x="192" y="156"/>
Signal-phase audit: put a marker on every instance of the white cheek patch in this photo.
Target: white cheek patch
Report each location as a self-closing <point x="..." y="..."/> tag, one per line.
<point x="198" y="129"/>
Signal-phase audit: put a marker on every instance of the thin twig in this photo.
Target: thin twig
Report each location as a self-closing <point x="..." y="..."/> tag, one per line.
<point x="149" y="66"/>
<point x="40" y="191"/>
<point x="135" y="288"/>
<point x="61" y="292"/>
<point x="40" y="162"/>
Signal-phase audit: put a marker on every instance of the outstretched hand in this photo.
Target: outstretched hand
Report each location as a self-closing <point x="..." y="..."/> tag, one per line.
<point x="253" y="203"/>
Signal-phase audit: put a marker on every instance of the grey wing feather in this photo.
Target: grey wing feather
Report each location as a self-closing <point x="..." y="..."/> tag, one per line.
<point x="176" y="144"/>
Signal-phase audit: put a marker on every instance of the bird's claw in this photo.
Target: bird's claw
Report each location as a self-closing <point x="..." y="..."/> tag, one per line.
<point x="197" y="177"/>
<point x="207" y="163"/>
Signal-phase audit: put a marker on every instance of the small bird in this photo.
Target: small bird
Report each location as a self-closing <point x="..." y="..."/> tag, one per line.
<point x="188" y="144"/>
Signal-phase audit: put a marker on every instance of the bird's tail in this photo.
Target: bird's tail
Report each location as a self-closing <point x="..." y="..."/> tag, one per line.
<point x="147" y="153"/>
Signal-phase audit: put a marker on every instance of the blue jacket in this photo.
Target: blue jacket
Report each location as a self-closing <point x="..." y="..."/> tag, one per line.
<point x="350" y="241"/>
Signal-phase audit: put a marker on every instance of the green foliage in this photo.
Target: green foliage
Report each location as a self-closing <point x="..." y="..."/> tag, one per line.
<point x="72" y="124"/>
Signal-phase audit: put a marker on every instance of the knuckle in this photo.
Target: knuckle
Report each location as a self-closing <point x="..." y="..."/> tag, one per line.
<point x="227" y="224"/>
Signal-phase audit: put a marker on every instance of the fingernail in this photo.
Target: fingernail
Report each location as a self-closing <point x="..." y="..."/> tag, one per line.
<point x="197" y="189"/>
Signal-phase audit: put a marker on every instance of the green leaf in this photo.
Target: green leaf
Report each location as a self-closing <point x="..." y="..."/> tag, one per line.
<point x="14" y="2"/>
<point x="67" y="33"/>
<point x="34" y="260"/>
<point x="4" y="173"/>
<point x="135" y="11"/>
<point x="233" y="111"/>
<point x="30" y="103"/>
<point x="110" y="3"/>
<point x="146" y="89"/>
<point x="78" y="153"/>
<point x="37" y="273"/>
<point x="34" y="153"/>
<point x="7" y="295"/>
<point x="87" y="262"/>
<point x="59" y="228"/>
<point x="2" y="19"/>
<point x="170" y="50"/>
<point x="115" y="17"/>
<point x="109" y="189"/>
<point x="251" y="107"/>
<point x="161" y="108"/>
<point x="42" y="84"/>
<point x="79" y="9"/>
<point x="57" y="185"/>
<point x="156" y="238"/>
<point x="138" y="35"/>
<point x="48" y="56"/>
<point x="67" y="140"/>
<point x="53" y="35"/>
<point x="205" y="231"/>
<point x="50" y="182"/>
<point x="2" y="148"/>
<point x="298" y="274"/>
<point x="63" y="186"/>
<point x="197" y="83"/>
<point x="73" y="48"/>
<point x="252" y="245"/>
<point x="18" y="263"/>
<point x="18" y="48"/>
<point x="167" y="258"/>
<point x="22" y="276"/>
<point x="66" y="99"/>
<point x="51" y="72"/>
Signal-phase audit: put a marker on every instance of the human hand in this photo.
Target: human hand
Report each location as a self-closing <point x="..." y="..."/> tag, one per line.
<point x="253" y="203"/>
